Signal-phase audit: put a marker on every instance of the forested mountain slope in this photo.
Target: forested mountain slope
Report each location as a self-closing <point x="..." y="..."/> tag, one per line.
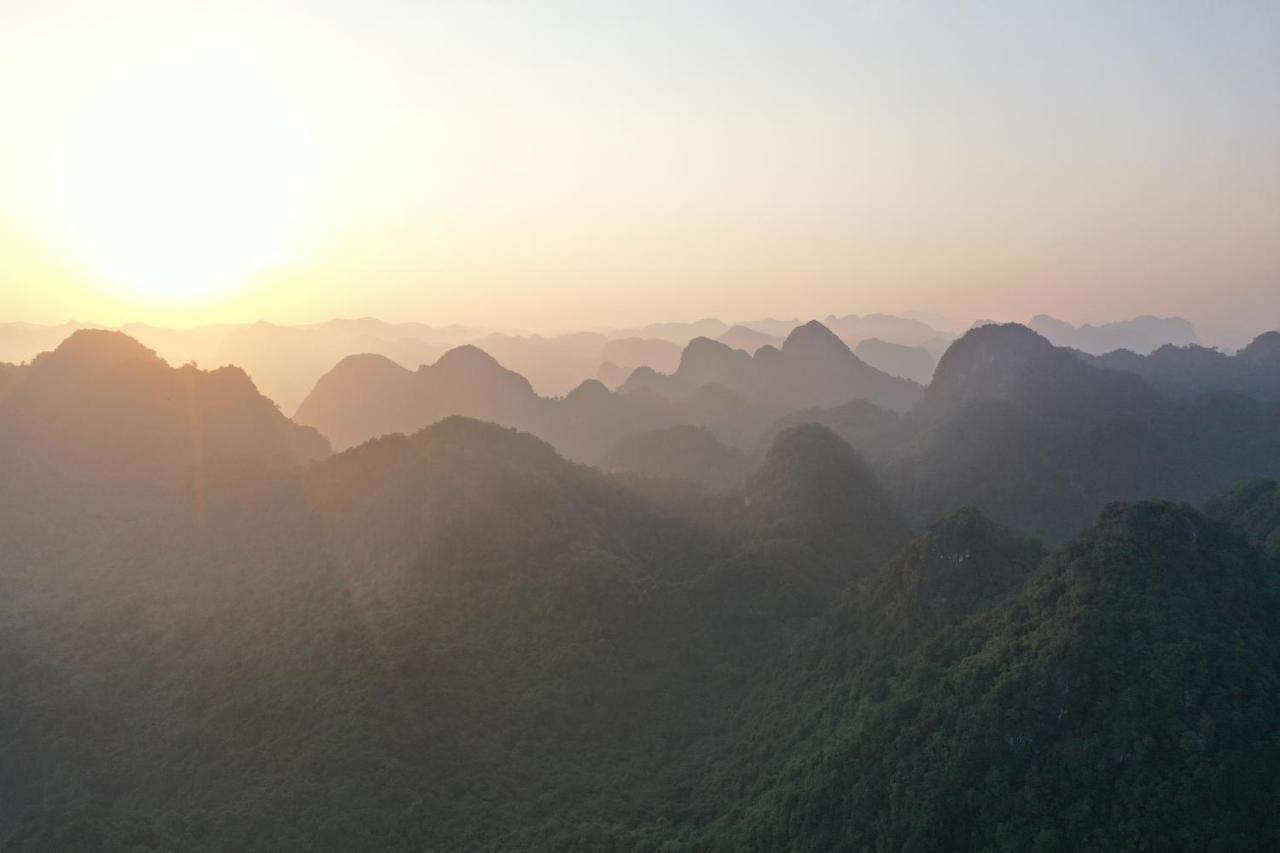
<point x="1119" y="694"/>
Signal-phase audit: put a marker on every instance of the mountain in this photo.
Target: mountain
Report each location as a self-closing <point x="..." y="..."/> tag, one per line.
<point x="1188" y="371"/>
<point x="772" y="326"/>
<point x="813" y="368"/>
<point x="1263" y="351"/>
<point x="746" y="338"/>
<point x="914" y="363"/>
<point x="630" y="353"/>
<point x="283" y="361"/>
<point x="1011" y="362"/>
<point x="1117" y="692"/>
<point x="286" y="361"/>
<point x="680" y="452"/>
<point x="556" y="365"/>
<point x="10" y="375"/>
<point x="813" y="487"/>
<point x="458" y="639"/>
<point x="725" y="390"/>
<point x="854" y="329"/>
<point x="1141" y="334"/>
<point x="1254" y="508"/>
<point x="1041" y="441"/>
<point x="365" y="396"/>
<point x="103" y="401"/>
<point x="20" y="342"/>
<point x="677" y="333"/>
<point x="877" y="434"/>
<point x="386" y="619"/>
<point x="553" y="365"/>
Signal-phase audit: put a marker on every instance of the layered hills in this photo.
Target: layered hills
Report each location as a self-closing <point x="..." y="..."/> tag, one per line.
<point x="456" y="639"/>
<point x="713" y="386"/>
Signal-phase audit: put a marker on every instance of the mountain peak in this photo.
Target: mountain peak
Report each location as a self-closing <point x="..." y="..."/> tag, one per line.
<point x="988" y="361"/>
<point x="813" y="484"/>
<point x="367" y="363"/>
<point x="589" y="391"/>
<point x="86" y="348"/>
<point x="467" y="357"/>
<point x="1264" y="349"/>
<point x="811" y="339"/>
<point x="705" y="360"/>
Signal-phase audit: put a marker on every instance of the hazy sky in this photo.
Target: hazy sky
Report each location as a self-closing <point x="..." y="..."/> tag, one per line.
<point x="559" y="164"/>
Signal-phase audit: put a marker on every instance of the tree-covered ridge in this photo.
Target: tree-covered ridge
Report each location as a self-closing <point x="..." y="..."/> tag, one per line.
<point x="1120" y="695"/>
<point x="1253" y="507"/>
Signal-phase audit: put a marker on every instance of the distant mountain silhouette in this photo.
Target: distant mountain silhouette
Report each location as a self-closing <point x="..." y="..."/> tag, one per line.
<point x="914" y="363"/>
<point x="365" y="396"/>
<point x="778" y="328"/>
<point x="287" y="360"/>
<point x="813" y="368"/>
<point x="853" y="329"/>
<point x="677" y="333"/>
<point x="733" y="394"/>
<point x="1187" y="371"/>
<point x="630" y="353"/>
<point x="613" y="375"/>
<point x="20" y="342"/>
<point x="746" y="338"/>
<point x="1141" y="334"/>
<point x="553" y="365"/>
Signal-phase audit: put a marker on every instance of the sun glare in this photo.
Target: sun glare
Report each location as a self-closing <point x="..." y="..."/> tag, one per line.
<point x="181" y="189"/>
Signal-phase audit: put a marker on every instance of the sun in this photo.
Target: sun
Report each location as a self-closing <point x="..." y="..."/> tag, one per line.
<point x="181" y="189"/>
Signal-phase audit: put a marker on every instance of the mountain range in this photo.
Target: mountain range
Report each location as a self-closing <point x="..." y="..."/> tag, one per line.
<point x="285" y="361"/>
<point x="1031" y="606"/>
<point x="714" y="386"/>
<point x="457" y="639"/>
<point x="1141" y="334"/>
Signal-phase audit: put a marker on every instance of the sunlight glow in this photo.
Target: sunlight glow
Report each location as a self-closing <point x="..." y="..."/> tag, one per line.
<point x="179" y="189"/>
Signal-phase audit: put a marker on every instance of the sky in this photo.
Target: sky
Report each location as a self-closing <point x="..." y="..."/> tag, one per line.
<point x="558" y="164"/>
